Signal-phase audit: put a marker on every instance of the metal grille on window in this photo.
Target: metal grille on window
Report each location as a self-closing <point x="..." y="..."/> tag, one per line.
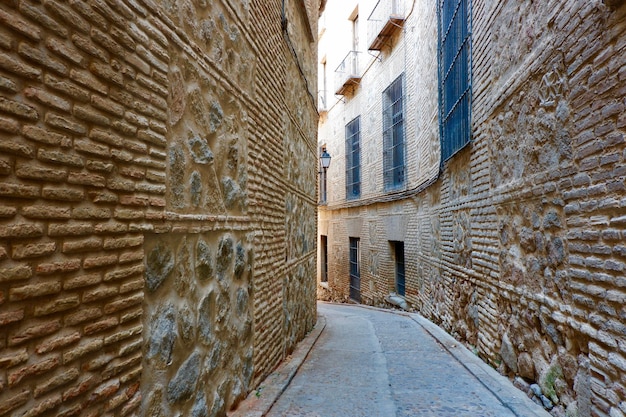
<point x="355" y="269"/>
<point x="324" y="258"/>
<point x="393" y="135"/>
<point x="454" y="76"/>
<point x="353" y="159"/>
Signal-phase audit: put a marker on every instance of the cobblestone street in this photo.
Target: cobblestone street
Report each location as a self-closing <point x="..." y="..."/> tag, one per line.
<point x="371" y="363"/>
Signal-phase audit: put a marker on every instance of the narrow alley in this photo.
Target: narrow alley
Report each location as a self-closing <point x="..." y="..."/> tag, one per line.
<point x="183" y="183"/>
<point x="409" y="372"/>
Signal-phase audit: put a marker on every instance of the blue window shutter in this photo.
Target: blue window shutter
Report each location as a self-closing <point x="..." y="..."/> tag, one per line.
<point x="393" y="135"/>
<point x="454" y="58"/>
<point x="353" y="159"/>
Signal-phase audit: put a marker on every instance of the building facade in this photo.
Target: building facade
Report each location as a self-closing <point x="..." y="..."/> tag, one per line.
<point x="478" y="177"/>
<point x="157" y="202"/>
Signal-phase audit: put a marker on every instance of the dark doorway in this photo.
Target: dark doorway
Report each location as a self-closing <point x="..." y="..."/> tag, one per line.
<point x="324" y="256"/>
<point x="398" y="252"/>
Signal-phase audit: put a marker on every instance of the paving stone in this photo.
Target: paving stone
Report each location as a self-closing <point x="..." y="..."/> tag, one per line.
<point x="369" y="362"/>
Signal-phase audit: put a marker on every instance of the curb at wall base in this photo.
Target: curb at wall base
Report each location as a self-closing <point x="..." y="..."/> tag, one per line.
<point x="260" y="401"/>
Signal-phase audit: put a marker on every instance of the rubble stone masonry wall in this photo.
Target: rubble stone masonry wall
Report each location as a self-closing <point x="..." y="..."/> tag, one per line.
<point x="157" y="202"/>
<point x="517" y="248"/>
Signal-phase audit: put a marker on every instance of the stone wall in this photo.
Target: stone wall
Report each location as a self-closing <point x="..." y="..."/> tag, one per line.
<point x="157" y="239"/>
<point x="517" y="247"/>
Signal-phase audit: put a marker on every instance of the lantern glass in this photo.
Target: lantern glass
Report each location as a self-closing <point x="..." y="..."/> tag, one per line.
<point x="325" y="159"/>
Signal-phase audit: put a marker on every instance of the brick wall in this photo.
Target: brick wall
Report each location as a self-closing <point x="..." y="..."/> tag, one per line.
<point x="516" y="249"/>
<point x="143" y="226"/>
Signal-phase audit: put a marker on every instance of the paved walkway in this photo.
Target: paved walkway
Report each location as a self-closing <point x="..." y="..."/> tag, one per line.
<point x="373" y="363"/>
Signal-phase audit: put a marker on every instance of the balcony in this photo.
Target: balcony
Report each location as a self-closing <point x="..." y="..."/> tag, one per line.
<point x="348" y="73"/>
<point x="386" y="18"/>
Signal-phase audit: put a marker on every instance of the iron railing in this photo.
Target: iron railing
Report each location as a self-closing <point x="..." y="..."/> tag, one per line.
<point x="348" y="72"/>
<point x="384" y="19"/>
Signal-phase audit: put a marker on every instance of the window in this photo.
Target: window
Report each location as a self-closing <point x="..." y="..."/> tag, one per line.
<point x="398" y="252"/>
<point x="355" y="269"/>
<point x="354" y="19"/>
<point x="321" y="25"/>
<point x="354" y="64"/>
<point x="322" y="103"/>
<point x="454" y="76"/>
<point x="353" y="159"/>
<point x="324" y="257"/>
<point x="393" y="135"/>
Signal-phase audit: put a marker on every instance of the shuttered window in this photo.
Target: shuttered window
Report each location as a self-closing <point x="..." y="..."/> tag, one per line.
<point x="393" y="135"/>
<point x="324" y="258"/>
<point x="355" y="269"/>
<point x="353" y="159"/>
<point x="454" y="75"/>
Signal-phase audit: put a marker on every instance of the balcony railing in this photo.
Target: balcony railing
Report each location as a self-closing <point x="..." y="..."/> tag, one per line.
<point x="348" y="74"/>
<point x="387" y="17"/>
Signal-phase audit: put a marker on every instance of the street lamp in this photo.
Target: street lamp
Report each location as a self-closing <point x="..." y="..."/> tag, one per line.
<point x="325" y="159"/>
<point x="325" y="163"/>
